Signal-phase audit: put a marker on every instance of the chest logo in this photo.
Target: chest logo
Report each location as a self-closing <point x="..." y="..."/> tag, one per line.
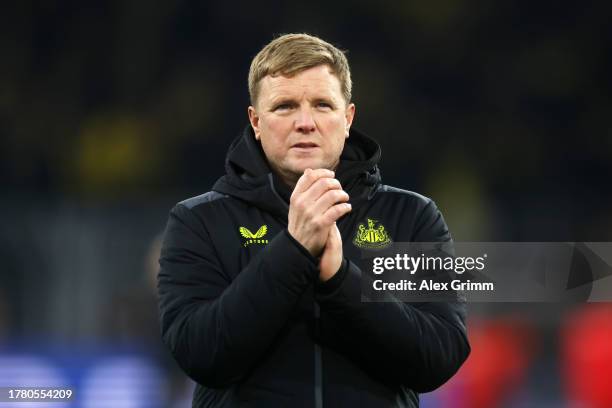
<point x="256" y="238"/>
<point x="372" y="237"/>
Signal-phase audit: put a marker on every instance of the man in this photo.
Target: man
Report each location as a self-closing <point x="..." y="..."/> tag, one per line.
<point x="260" y="294"/>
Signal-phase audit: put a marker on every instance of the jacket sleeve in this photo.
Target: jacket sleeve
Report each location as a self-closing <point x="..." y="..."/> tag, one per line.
<point x="217" y="328"/>
<point x="417" y="345"/>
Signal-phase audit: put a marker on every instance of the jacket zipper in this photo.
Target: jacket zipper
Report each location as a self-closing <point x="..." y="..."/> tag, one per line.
<point x="318" y="361"/>
<point x="318" y="358"/>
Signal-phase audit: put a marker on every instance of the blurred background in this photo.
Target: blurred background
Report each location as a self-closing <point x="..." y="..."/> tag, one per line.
<point x="111" y="112"/>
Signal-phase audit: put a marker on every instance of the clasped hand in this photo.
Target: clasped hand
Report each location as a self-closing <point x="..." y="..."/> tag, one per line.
<point x="316" y="203"/>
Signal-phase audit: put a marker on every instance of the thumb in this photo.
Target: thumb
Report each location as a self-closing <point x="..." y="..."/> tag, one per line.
<point x="334" y="238"/>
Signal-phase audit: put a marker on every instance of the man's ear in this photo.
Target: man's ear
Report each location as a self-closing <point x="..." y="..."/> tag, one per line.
<point x="254" y="119"/>
<point x="349" y="115"/>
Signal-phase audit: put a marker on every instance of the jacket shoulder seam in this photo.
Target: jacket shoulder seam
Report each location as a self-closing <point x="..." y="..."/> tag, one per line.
<point x="385" y="189"/>
<point x="208" y="197"/>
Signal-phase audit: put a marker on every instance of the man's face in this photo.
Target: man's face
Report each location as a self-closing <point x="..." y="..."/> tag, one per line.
<point x="302" y="121"/>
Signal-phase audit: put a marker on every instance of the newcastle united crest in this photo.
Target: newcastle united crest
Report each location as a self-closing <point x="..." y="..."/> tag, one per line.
<point x="372" y="237"/>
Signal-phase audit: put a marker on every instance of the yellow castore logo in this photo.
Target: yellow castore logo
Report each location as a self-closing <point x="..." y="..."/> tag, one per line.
<point x="371" y="237"/>
<point x="255" y="238"/>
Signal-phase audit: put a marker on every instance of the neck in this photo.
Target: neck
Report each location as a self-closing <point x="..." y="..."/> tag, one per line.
<point x="283" y="188"/>
<point x="290" y="181"/>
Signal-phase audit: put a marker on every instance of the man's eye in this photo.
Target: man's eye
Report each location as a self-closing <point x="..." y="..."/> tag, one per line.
<point x="282" y="106"/>
<point x="324" y="105"/>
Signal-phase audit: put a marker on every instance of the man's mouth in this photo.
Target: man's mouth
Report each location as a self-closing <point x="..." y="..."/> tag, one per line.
<point x="305" y="145"/>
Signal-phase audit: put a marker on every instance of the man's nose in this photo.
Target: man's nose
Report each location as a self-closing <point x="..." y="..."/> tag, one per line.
<point x="305" y="123"/>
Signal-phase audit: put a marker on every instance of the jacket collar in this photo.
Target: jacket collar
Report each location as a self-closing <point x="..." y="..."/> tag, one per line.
<point x="249" y="177"/>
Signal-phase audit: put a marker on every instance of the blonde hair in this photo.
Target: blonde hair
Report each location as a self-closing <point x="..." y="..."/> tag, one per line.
<point x="291" y="54"/>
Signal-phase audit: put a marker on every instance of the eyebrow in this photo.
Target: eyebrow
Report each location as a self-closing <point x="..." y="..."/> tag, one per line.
<point x="291" y="100"/>
<point x="283" y="99"/>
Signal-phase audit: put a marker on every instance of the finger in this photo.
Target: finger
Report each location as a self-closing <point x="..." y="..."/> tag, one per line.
<point x="309" y="177"/>
<point x="336" y="212"/>
<point x="327" y="200"/>
<point x="320" y="187"/>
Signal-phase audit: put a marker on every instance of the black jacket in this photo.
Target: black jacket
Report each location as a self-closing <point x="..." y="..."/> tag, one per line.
<point x="244" y="315"/>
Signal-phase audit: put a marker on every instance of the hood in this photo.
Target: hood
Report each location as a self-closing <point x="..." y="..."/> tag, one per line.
<point x="248" y="176"/>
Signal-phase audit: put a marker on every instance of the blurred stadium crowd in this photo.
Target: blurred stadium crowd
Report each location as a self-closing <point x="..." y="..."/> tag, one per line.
<point x="110" y="112"/>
